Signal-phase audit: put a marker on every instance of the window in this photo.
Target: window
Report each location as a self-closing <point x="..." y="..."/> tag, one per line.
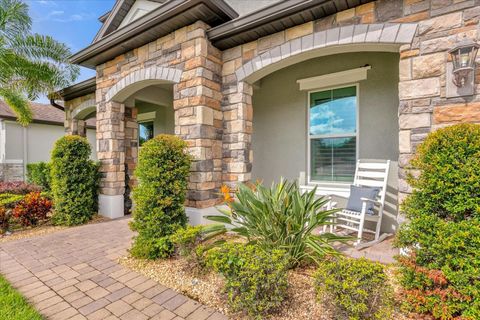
<point x="333" y="134"/>
<point x="145" y="132"/>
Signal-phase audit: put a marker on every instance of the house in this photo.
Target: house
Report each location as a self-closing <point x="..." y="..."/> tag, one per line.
<point x="268" y="89"/>
<point x="22" y="145"/>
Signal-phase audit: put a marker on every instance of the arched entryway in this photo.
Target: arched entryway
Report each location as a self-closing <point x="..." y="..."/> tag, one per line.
<point x="137" y="107"/>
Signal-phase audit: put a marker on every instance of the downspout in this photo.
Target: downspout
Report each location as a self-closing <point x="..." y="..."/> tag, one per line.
<point x="56" y="105"/>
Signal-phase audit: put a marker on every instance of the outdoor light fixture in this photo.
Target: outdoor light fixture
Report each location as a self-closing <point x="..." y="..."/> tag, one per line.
<point x="463" y="60"/>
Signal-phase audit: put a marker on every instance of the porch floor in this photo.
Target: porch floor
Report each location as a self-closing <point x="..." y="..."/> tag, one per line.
<point x="383" y="252"/>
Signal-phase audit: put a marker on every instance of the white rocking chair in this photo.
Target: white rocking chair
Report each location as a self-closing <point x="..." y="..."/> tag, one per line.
<point x="369" y="173"/>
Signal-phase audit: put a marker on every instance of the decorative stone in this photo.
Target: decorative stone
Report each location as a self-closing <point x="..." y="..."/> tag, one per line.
<point x="429" y="66"/>
<point x="465" y="112"/>
<point x="419" y="88"/>
<point x="414" y="120"/>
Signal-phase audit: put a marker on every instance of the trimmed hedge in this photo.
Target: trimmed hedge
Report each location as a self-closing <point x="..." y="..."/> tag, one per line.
<point x="441" y="273"/>
<point x="354" y="289"/>
<point x="74" y="181"/>
<point x="255" y="280"/>
<point x="39" y="174"/>
<point x="162" y="172"/>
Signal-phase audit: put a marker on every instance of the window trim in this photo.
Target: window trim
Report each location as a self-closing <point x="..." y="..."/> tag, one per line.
<point x="332" y="185"/>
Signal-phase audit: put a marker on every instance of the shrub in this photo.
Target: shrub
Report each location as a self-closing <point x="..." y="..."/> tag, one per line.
<point x="74" y="181"/>
<point x="162" y="172"/>
<point x="39" y="174"/>
<point x="17" y="187"/>
<point x="441" y="273"/>
<point x="280" y="217"/>
<point x="256" y="280"/>
<point x="9" y="200"/>
<point x="4" y="220"/>
<point x="152" y="248"/>
<point x="449" y="181"/>
<point x="354" y="288"/>
<point x="32" y="209"/>
<point x="186" y="239"/>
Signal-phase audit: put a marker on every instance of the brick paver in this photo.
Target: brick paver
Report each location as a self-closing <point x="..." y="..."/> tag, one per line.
<point x="73" y="274"/>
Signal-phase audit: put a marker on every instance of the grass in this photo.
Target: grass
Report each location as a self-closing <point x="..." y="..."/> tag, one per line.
<point x="13" y="306"/>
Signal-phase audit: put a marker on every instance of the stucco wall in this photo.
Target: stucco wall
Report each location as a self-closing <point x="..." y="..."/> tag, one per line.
<point x="40" y="141"/>
<point x="279" y="140"/>
<point x="164" y="121"/>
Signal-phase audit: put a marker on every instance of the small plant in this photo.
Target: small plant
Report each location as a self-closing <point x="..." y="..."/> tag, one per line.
<point x="162" y="172"/>
<point x="18" y="187"/>
<point x="4" y="220"/>
<point x="32" y="209"/>
<point x="256" y="280"/>
<point x="354" y="289"/>
<point x="280" y="217"/>
<point x="74" y="181"/>
<point x="152" y="248"/>
<point x="9" y="200"/>
<point x="186" y="240"/>
<point x="39" y="174"/>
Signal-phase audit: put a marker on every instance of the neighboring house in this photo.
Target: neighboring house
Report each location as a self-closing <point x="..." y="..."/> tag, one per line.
<point x="22" y="145"/>
<point x="268" y="89"/>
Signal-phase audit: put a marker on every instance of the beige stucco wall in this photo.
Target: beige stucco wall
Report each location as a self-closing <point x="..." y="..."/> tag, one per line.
<point x="280" y="113"/>
<point x="279" y="139"/>
<point x="164" y="121"/>
<point x="40" y="140"/>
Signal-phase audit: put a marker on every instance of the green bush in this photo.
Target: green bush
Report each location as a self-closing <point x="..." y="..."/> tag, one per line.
<point x="256" y="280"/>
<point x="39" y="174"/>
<point x="74" y="181"/>
<point x="162" y="172"/>
<point x="441" y="273"/>
<point x="9" y="200"/>
<point x="354" y="289"/>
<point x="186" y="239"/>
<point x="280" y="217"/>
<point x="449" y="181"/>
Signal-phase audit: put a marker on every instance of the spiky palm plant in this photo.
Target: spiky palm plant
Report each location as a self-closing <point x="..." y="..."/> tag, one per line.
<point x="30" y="64"/>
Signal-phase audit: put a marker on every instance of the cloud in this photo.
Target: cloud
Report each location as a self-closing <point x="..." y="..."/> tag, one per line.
<point x="50" y="3"/>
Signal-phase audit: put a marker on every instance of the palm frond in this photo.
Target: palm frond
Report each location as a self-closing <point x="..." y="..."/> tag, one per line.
<point x="14" y="18"/>
<point x="18" y="104"/>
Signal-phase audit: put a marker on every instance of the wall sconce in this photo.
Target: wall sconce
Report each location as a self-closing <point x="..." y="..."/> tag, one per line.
<point x="463" y="60"/>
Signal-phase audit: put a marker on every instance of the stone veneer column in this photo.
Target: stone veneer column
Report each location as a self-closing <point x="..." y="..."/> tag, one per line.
<point x="111" y="154"/>
<point x="198" y="116"/>
<point x="237" y="137"/>
<point x="131" y="153"/>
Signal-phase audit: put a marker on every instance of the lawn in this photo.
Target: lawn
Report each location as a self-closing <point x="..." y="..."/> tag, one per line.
<point x="13" y="306"/>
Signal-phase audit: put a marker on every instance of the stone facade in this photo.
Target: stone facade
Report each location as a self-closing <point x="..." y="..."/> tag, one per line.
<point x="213" y="89"/>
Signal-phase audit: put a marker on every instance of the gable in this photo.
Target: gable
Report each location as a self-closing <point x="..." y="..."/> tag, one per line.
<point x="123" y="13"/>
<point x="139" y="9"/>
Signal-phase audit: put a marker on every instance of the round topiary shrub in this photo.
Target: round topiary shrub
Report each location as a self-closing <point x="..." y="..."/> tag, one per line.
<point x="162" y="172"/>
<point x="448" y="184"/>
<point x="440" y="274"/>
<point x="74" y="181"/>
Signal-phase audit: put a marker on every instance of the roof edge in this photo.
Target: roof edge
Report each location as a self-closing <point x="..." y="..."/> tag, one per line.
<point x="166" y="11"/>
<point x="261" y="16"/>
<point x="79" y="89"/>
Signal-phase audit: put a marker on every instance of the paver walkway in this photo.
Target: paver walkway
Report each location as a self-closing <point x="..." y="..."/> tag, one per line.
<point x="73" y="274"/>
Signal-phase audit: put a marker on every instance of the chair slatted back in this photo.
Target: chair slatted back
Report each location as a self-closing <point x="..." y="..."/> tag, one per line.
<point x="373" y="173"/>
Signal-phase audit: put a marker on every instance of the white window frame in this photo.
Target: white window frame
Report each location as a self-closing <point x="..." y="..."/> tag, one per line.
<point x="338" y="187"/>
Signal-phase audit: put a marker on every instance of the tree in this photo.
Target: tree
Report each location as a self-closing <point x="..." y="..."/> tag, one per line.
<point x="30" y="64"/>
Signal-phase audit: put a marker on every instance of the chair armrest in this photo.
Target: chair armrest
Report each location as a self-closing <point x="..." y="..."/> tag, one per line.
<point x="370" y="200"/>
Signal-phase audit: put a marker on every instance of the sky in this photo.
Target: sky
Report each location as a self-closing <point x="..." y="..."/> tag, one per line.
<point x="73" y="22"/>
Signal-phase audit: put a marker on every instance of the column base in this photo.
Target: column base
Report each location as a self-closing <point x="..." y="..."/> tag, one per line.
<point x="196" y="215"/>
<point x="111" y="206"/>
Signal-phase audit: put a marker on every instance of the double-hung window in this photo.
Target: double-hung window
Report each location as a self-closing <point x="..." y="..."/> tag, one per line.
<point x="333" y="134"/>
